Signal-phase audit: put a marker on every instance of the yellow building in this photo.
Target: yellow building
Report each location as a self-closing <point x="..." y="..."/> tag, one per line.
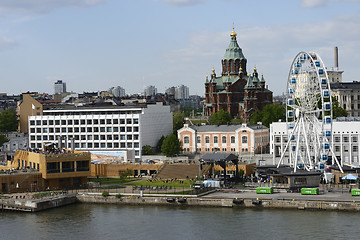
<point x="57" y="170"/>
<point x="28" y="107"/>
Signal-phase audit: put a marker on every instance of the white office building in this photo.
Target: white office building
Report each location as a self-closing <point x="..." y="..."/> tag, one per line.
<point x="345" y="140"/>
<point x="150" y="91"/>
<point x="181" y="92"/>
<point x="59" y="87"/>
<point x="110" y="128"/>
<point x="117" y="91"/>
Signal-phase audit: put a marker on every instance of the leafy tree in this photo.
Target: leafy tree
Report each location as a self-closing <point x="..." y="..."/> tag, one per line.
<point x="337" y="110"/>
<point x="8" y="120"/>
<point x="147" y="150"/>
<point x="159" y="144"/>
<point x="220" y="118"/>
<point x="188" y="111"/>
<point x="126" y="173"/>
<point x="269" y="114"/>
<point x="171" y="146"/>
<point x="3" y="139"/>
<point x="178" y="121"/>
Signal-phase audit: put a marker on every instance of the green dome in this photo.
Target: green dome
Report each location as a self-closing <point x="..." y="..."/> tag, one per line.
<point x="233" y="51"/>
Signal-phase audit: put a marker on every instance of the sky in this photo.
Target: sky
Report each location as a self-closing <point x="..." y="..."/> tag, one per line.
<point x="93" y="45"/>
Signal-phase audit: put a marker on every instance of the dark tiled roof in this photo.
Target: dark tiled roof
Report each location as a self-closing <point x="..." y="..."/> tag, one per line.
<point x="224" y="128"/>
<point x="345" y="85"/>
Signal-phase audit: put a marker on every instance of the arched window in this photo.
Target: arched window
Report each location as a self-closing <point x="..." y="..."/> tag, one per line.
<point x="244" y="139"/>
<point x="198" y="139"/>
<point x="186" y="139"/>
<point x="232" y="139"/>
<point x="216" y="139"/>
<point x="223" y="139"/>
<point x="207" y="139"/>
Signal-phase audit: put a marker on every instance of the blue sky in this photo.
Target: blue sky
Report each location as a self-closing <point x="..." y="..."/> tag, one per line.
<point x="96" y="44"/>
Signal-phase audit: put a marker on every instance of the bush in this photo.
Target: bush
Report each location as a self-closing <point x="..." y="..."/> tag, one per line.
<point x="105" y="194"/>
<point x="118" y="195"/>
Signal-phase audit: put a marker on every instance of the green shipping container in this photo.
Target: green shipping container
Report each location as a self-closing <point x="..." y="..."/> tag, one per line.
<point x="355" y="192"/>
<point x="309" y="191"/>
<point x="264" y="190"/>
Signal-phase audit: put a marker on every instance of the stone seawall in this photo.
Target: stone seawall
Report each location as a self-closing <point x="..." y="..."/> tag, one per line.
<point x="221" y="202"/>
<point x="25" y="205"/>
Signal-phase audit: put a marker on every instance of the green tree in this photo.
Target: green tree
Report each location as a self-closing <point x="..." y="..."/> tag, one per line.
<point x="337" y="110"/>
<point x="220" y="118"/>
<point x="269" y="114"/>
<point x="8" y="120"/>
<point x="124" y="174"/>
<point x="159" y="144"/>
<point x="171" y="146"/>
<point x="147" y="150"/>
<point x="3" y="139"/>
<point x="178" y="121"/>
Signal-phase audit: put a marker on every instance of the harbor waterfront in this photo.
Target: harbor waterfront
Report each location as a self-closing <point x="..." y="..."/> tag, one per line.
<point x="342" y="201"/>
<point x="109" y="221"/>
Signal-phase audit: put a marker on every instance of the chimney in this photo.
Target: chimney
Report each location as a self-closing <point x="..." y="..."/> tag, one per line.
<point x="336" y="58"/>
<point x="59" y="142"/>
<point x="72" y="144"/>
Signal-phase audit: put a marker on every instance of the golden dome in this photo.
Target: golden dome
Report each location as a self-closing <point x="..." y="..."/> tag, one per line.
<point x="240" y="69"/>
<point x="233" y="33"/>
<point x="213" y="70"/>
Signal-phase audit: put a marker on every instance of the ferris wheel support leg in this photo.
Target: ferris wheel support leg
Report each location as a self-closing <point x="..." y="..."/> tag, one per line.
<point x="336" y="160"/>
<point x="297" y="149"/>
<point x="307" y="147"/>
<point x="287" y="145"/>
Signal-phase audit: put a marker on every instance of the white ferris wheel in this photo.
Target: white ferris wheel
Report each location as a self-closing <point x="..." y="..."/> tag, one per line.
<point x="308" y="114"/>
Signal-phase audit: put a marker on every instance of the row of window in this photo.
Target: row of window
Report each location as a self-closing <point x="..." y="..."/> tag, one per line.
<point x="346" y="148"/>
<point x="96" y="145"/>
<point x="83" y="129"/>
<point x="92" y="113"/>
<point x="336" y="139"/>
<point x="244" y="139"/>
<point x="215" y="150"/>
<point x="83" y="122"/>
<point x="87" y="137"/>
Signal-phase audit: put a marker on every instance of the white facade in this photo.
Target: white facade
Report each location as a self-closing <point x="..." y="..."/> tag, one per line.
<point x="102" y="129"/>
<point x="345" y="140"/>
<point x="182" y="92"/>
<point x="348" y="96"/>
<point x="117" y="91"/>
<point x="335" y="75"/>
<point x="150" y="91"/>
<point x="59" y="87"/>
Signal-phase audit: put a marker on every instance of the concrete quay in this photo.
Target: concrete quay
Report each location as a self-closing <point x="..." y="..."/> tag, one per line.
<point x="328" y="201"/>
<point x="34" y="205"/>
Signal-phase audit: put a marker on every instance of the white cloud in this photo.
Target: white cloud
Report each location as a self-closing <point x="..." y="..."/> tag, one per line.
<point x="183" y="2"/>
<point x="42" y="6"/>
<point x="321" y="3"/>
<point x="312" y="3"/>
<point x="6" y="43"/>
<point x="271" y="49"/>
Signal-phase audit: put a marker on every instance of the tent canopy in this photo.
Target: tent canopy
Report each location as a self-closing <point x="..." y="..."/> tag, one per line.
<point x="349" y="177"/>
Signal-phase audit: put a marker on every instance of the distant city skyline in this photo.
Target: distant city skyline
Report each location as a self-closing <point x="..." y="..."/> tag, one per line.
<point x="94" y="45"/>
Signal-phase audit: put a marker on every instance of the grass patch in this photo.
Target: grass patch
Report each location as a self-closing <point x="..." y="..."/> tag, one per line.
<point x="110" y="180"/>
<point x="163" y="183"/>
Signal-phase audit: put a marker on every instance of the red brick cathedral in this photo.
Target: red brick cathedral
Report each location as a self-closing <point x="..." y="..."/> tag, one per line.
<point x="235" y="91"/>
